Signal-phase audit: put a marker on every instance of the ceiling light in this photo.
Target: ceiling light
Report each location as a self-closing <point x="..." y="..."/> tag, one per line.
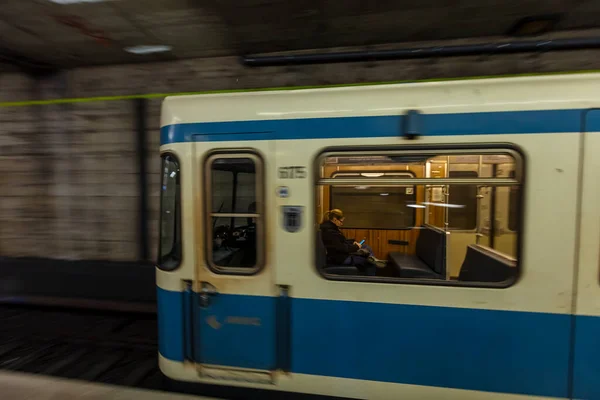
<point x="148" y="49"/>
<point x="447" y="205"/>
<point x="534" y="25"/>
<point x="361" y="187"/>
<point x="384" y="194"/>
<point x="372" y="174"/>
<point x="75" y="1"/>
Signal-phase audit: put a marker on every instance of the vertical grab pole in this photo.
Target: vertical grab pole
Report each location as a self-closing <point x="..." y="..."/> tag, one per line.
<point x="493" y="206"/>
<point x="447" y="219"/>
<point x="427" y="194"/>
<point x="478" y="223"/>
<point x="447" y="196"/>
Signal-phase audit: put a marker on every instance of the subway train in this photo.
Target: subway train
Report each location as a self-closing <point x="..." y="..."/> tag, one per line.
<point x="483" y="196"/>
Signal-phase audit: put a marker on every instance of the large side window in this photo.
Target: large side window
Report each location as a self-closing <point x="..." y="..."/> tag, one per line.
<point x="169" y="254"/>
<point x="443" y="221"/>
<point x="234" y="223"/>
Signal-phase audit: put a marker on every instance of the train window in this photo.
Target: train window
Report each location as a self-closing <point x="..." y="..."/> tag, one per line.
<point x="444" y="220"/>
<point x="234" y="223"/>
<point x="373" y="208"/>
<point x="169" y="255"/>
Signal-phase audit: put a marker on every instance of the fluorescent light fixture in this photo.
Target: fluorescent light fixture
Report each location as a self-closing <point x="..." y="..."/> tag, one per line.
<point x="372" y="174"/>
<point x="75" y="1"/>
<point x="148" y="49"/>
<point x="384" y="194"/>
<point x="415" y="206"/>
<point x="444" y="205"/>
<point x="361" y="187"/>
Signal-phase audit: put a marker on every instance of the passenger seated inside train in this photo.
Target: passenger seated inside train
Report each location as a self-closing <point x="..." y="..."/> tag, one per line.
<point x="342" y="251"/>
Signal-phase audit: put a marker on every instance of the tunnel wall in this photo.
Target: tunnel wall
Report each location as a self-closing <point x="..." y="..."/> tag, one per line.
<point x="69" y="181"/>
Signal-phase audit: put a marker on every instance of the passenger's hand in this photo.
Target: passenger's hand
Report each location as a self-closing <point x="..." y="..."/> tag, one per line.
<point x="358" y="244"/>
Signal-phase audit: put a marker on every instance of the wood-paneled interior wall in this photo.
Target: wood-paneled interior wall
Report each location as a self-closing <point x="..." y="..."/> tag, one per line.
<point x="378" y="239"/>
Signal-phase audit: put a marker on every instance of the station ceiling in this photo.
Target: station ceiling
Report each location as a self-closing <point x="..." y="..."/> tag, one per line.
<point x="73" y="33"/>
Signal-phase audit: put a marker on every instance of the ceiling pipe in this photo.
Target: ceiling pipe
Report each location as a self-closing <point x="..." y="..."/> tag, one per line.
<point x="425" y="52"/>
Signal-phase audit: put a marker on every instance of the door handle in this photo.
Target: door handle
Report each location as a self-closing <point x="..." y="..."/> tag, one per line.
<point x="206" y="292"/>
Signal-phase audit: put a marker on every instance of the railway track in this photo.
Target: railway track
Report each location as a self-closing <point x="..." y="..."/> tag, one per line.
<point x="102" y="347"/>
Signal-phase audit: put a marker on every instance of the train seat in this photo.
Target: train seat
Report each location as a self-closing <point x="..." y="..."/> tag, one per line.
<point x="331" y="269"/>
<point x="429" y="260"/>
<point x="483" y="264"/>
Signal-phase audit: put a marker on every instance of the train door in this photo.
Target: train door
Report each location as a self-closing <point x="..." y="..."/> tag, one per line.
<point x="235" y="311"/>
<point x="586" y="359"/>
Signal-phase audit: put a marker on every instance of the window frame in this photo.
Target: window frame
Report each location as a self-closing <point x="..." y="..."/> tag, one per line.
<point x="176" y="253"/>
<point x="403" y="172"/>
<point x="511" y="149"/>
<point x="259" y="212"/>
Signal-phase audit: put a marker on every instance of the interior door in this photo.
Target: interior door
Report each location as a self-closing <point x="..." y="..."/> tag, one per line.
<point x="236" y="302"/>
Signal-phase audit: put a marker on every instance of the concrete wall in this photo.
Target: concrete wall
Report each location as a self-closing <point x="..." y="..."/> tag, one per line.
<point x="69" y="181"/>
<point x="68" y="173"/>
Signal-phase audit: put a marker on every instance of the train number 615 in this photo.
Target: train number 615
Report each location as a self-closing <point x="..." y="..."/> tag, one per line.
<point x="292" y="172"/>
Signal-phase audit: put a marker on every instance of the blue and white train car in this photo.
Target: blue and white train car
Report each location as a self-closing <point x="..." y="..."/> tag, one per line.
<point x="483" y="195"/>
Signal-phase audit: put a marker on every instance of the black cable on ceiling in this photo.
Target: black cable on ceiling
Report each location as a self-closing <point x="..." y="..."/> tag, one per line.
<point x="426" y="52"/>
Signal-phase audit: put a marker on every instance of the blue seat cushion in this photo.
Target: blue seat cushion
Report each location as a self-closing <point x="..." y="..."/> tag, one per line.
<point x="410" y="266"/>
<point x="431" y="248"/>
<point x="482" y="264"/>
<point x="342" y="270"/>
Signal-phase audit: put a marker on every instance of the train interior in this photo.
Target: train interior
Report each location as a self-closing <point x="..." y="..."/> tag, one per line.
<point x="459" y="229"/>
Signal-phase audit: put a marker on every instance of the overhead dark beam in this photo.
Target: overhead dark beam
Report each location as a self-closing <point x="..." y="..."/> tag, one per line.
<point x="27" y="65"/>
<point x="513" y="47"/>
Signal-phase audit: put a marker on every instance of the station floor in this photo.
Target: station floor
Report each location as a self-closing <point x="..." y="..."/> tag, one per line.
<point x="19" y="386"/>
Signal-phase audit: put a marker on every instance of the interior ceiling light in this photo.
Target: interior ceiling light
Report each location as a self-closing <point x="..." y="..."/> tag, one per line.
<point x="148" y="49"/>
<point x="75" y="1"/>
<point x="447" y="205"/>
<point x="372" y="174"/>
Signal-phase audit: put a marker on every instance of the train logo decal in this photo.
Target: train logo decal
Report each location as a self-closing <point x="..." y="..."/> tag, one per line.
<point x="213" y="322"/>
<point x="292" y="218"/>
<point x="243" y="321"/>
<point x="283" y="192"/>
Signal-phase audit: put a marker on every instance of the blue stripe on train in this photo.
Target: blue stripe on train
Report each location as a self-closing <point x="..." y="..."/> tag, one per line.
<point x="494" y="351"/>
<point x="586" y="369"/>
<point x="483" y="123"/>
<point x="170" y="314"/>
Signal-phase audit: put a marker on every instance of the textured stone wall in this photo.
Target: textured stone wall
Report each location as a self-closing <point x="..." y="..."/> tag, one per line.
<point x="69" y="173"/>
<point x="69" y="181"/>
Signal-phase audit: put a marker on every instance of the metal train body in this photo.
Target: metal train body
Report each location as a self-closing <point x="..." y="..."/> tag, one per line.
<point x="289" y="325"/>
